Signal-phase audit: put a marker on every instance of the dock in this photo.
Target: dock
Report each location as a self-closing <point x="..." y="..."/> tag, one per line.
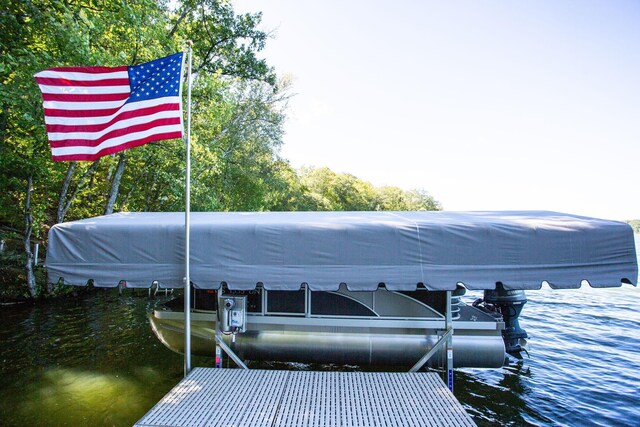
<point x="239" y="397"/>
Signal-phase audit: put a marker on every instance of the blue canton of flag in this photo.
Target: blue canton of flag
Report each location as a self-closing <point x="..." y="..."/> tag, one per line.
<point x="155" y="79"/>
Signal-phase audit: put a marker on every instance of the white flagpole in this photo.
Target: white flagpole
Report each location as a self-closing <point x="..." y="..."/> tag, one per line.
<point x="187" y="236"/>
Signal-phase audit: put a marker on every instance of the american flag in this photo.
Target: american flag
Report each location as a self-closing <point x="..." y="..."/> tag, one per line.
<point x="90" y="112"/>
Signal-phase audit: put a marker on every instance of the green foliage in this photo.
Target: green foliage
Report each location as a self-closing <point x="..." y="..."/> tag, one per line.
<point x="40" y="34"/>
<point x="12" y="262"/>
<point x="343" y="192"/>
<point x="224" y="43"/>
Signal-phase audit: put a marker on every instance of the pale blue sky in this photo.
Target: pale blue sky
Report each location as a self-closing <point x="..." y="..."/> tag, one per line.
<point x="487" y="105"/>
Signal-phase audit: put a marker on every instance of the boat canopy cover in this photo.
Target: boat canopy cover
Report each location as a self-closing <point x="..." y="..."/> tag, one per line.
<point x="402" y="250"/>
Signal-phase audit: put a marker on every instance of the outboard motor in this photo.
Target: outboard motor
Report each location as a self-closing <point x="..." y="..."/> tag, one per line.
<point x="509" y="303"/>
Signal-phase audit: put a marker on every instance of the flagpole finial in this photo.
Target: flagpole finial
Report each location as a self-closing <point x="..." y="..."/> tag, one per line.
<point x="190" y="43"/>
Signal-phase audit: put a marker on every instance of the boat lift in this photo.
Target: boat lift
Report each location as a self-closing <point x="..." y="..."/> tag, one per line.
<point x="232" y="318"/>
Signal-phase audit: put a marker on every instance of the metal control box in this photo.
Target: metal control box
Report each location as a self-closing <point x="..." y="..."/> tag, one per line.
<point x="233" y="312"/>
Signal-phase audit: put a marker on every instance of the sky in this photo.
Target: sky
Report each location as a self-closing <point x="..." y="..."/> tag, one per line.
<point x="486" y="105"/>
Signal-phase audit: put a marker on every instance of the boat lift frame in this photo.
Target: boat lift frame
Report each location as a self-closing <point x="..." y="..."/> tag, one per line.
<point x="445" y="339"/>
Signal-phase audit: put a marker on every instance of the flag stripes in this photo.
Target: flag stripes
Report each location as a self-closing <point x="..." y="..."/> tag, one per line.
<point x="90" y="97"/>
<point x="99" y="124"/>
<point x="119" y="129"/>
<point x="53" y="82"/>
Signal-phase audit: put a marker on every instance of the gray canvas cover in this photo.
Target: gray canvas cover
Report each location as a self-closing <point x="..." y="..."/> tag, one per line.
<point x="283" y="250"/>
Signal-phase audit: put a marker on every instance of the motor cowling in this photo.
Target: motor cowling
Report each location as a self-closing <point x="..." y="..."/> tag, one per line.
<point x="509" y="303"/>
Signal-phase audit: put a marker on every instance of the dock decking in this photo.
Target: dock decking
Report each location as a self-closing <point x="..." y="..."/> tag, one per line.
<point x="238" y="397"/>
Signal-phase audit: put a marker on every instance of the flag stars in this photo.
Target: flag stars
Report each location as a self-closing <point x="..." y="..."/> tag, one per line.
<point x="156" y="79"/>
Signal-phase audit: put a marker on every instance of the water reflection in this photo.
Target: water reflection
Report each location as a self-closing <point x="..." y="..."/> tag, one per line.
<point x="479" y="389"/>
<point x="77" y="397"/>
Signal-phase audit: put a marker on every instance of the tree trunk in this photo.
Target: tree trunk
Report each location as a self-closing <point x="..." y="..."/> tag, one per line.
<point x="28" y="228"/>
<point x="115" y="184"/>
<point x="63" y="193"/>
<point x="64" y="202"/>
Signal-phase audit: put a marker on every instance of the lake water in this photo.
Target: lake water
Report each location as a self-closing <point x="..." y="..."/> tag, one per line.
<point x="94" y="361"/>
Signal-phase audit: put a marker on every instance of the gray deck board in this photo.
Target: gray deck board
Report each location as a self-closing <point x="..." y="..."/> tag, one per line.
<point x="235" y="397"/>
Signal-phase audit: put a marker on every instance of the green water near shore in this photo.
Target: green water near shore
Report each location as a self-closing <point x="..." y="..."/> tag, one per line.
<point x="87" y="361"/>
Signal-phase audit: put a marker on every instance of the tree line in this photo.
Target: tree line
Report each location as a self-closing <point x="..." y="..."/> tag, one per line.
<point x="238" y="112"/>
